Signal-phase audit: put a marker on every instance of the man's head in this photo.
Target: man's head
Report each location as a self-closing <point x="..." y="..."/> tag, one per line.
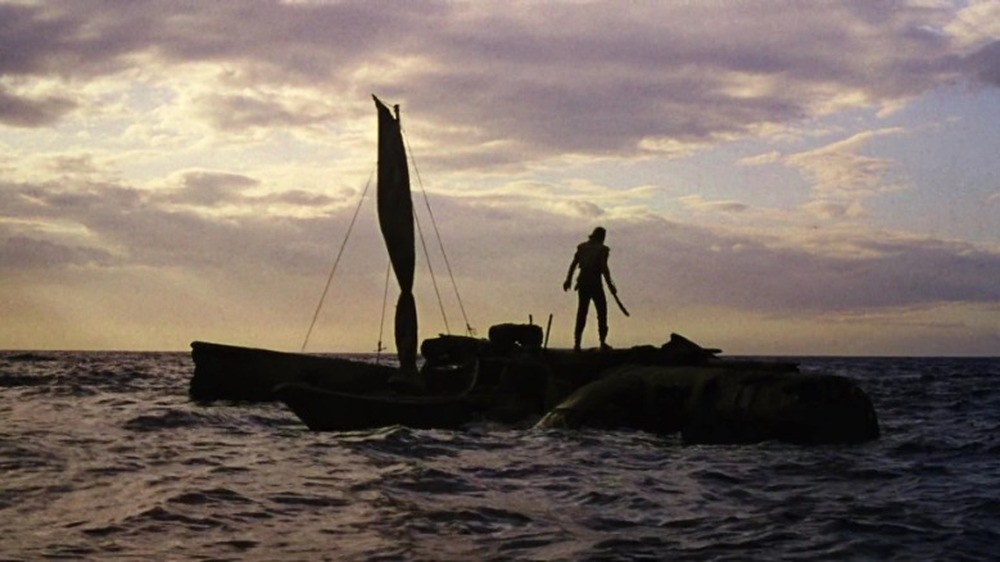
<point x="598" y="234"/>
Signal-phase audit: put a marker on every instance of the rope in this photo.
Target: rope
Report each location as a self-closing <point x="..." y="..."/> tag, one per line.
<point x="437" y="233"/>
<point x="336" y="262"/>
<point x="430" y="269"/>
<point x="381" y="322"/>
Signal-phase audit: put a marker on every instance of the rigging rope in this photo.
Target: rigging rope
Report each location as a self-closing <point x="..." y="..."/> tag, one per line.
<point x="381" y="322"/>
<point x="336" y="262"/>
<point x="469" y="330"/>
<point x="430" y="269"/>
<point x="468" y="327"/>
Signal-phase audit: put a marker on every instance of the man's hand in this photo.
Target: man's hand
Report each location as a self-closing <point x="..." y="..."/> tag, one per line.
<point x="566" y="285"/>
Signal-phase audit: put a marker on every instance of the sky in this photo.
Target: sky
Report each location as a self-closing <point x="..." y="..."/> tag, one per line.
<point x="776" y="177"/>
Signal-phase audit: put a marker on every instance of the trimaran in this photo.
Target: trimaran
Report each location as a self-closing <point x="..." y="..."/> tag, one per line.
<point x="512" y="377"/>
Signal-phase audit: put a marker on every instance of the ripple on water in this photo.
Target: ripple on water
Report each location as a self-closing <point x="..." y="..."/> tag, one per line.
<point x="104" y="457"/>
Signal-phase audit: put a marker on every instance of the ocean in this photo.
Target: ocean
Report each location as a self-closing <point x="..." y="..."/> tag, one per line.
<point x="104" y="457"/>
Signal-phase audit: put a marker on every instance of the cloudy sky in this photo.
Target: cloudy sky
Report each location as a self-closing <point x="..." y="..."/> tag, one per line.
<point x="776" y="177"/>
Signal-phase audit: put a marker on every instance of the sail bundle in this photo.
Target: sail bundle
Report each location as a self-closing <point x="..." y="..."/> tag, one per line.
<point x="395" y="217"/>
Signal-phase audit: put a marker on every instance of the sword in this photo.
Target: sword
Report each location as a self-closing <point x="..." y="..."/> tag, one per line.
<point x="620" y="305"/>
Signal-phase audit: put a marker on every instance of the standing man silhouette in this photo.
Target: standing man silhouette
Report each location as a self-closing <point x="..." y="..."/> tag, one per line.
<point x="592" y="257"/>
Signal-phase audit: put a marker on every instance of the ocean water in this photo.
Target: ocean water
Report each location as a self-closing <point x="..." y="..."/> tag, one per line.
<point x="103" y="457"/>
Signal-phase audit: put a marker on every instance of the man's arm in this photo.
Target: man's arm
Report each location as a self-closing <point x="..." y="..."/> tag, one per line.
<point x="569" y="274"/>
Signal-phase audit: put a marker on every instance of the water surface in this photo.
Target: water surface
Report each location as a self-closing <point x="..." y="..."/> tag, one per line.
<point x="104" y="457"/>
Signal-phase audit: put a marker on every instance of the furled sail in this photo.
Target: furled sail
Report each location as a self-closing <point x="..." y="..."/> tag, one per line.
<point x="395" y="217"/>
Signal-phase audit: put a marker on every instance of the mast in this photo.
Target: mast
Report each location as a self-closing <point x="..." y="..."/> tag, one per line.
<point x="395" y="218"/>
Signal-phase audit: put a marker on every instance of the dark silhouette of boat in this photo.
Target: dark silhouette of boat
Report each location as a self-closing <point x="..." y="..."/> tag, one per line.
<point x="230" y="372"/>
<point x="512" y="377"/>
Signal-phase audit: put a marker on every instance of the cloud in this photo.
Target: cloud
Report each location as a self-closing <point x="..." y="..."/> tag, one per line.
<point x="771" y="157"/>
<point x="985" y="64"/>
<point x="698" y="203"/>
<point x="239" y="112"/>
<point x="215" y="144"/>
<point x="21" y="111"/>
<point x="610" y="79"/>
<point x="840" y="170"/>
<point x="828" y="210"/>
<point x="228" y="195"/>
<point x="172" y="227"/>
<point x="509" y="253"/>
<point x="976" y="24"/>
<point x="500" y="235"/>
<point x="841" y="177"/>
<point x="754" y="274"/>
<point x="22" y="252"/>
<point x="206" y="188"/>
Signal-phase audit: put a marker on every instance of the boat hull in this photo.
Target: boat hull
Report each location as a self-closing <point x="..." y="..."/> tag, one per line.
<point x="675" y="388"/>
<point x="228" y="372"/>
<point x="718" y="404"/>
<point x="324" y="410"/>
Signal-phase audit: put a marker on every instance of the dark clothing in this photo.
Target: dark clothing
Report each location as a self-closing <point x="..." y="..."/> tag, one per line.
<point x="600" y="305"/>
<point x="592" y="258"/>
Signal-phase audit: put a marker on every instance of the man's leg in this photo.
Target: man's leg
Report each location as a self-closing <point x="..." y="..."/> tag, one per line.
<point x="601" y="305"/>
<point x="583" y="307"/>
